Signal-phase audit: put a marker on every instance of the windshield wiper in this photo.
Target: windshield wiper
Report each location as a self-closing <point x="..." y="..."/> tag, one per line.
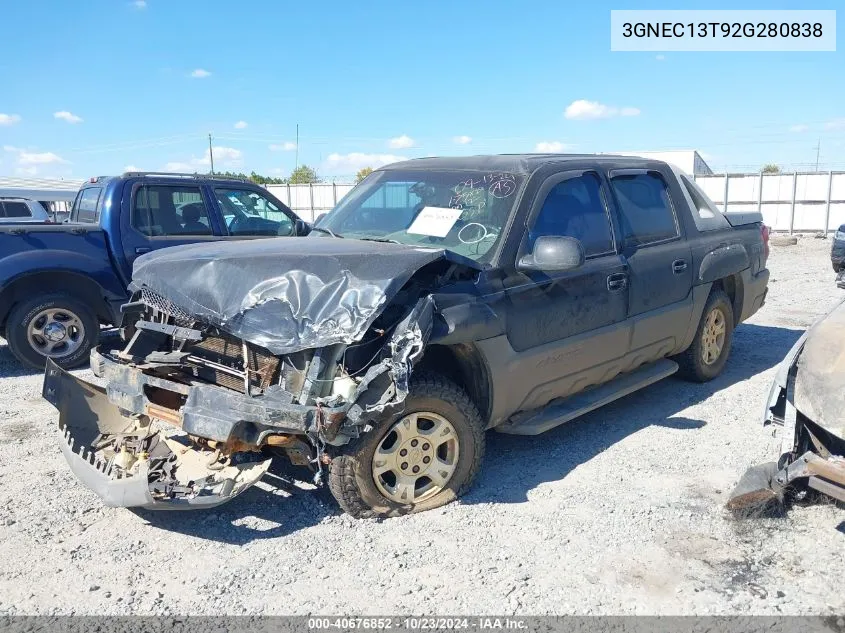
<point x="326" y="231"/>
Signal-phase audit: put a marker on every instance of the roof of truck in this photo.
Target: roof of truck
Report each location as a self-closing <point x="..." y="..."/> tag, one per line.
<point x="516" y="163"/>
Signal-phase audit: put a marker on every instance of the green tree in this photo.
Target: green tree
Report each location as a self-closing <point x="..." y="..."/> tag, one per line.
<point x="302" y="175"/>
<point x="771" y="168"/>
<point x="363" y="173"/>
<point x="254" y="177"/>
<point x="265" y="180"/>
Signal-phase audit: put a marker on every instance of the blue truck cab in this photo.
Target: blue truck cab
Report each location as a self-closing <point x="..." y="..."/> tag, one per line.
<point x="60" y="282"/>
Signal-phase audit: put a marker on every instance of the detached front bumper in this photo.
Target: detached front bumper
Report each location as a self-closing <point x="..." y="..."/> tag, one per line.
<point x="808" y="453"/>
<point x="130" y="464"/>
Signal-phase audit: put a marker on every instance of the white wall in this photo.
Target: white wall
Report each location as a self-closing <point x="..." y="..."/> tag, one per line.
<point x="811" y="198"/>
<point x="309" y="201"/>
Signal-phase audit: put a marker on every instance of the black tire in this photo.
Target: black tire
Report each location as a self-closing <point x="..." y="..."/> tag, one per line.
<point x="351" y="478"/>
<point x="22" y="315"/>
<point x="691" y="362"/>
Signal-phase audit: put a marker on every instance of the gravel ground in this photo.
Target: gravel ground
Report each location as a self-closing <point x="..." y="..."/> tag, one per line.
<point x="619" y="512"/>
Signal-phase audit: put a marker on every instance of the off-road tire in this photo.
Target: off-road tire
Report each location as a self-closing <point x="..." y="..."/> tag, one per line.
<point x="21" y="315"/>
<point x="692" y="365"/>
<point x="350" y="474"/>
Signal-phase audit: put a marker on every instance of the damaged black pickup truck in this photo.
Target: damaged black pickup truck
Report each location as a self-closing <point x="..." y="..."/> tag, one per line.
<point x="441" y="298"/>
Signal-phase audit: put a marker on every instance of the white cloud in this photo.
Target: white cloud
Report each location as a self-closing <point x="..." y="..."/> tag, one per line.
<point x="27" y="162"/>
<point x="139" y="4"/>
<point x="462" y="140"/>
<point x="200" y="73"/>
<point x="179" y="166"/>
<point x="550" y="147"/>
<point x="241" y="125"/>
<point x="799" y="128"/>
<point x="354" y="161"/>
<point x="39" y="158"/>
<point x="64" y="115"/>
<point x="584" y="109"/>
<point x="9" y="119"/>
<point x="223" y="156"/>
<point x="835" y="124"/>
<point x="660" y="58"/>
<point x="401" y="142"/>
<point x="287" y="146"/>
<point x="132" y="168"/>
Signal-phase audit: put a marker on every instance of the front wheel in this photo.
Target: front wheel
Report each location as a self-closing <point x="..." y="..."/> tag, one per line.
<point x="421" y="459"/>
<point x="56" y="326"/>
<point x="706" y="357"/>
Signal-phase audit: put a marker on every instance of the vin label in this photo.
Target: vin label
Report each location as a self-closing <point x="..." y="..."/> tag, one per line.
<point x="723" y="30"/>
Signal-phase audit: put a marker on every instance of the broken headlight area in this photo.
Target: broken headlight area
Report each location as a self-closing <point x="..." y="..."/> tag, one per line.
<point x="190" y="413"/>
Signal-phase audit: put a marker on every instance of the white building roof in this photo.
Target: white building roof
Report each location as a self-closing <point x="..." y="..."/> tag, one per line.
<point x="39" y="188"/>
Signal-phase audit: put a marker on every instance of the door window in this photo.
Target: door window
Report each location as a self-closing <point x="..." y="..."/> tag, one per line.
<point x="247" y="212"/>
<point x="14" y="210"/>
<point x="159" y="210"/>
<point x="86" y="202"/>
<point x="705" y="207"/>
<point x="647" y="216"/>
<point x="576" y="208"/>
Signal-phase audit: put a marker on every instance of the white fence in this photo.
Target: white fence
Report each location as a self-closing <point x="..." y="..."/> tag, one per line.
<point x="309" y="201"/>
<point x="797" y="202"/>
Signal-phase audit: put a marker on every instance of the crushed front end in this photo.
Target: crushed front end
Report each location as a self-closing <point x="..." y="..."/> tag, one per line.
<point x="191" y="416"/>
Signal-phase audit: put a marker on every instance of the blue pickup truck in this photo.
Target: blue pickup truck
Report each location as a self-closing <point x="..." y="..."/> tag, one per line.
<point x="60" y="282"/>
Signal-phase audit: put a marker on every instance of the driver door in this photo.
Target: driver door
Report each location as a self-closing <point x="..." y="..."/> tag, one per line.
<point x="569" y="327"/>
<point x="162" y="214"/>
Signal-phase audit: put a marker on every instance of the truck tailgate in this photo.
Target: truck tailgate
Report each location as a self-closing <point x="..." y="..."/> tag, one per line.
<point x="738" y="218"/>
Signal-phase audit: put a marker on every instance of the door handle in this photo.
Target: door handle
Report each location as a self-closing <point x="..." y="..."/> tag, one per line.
<point x="679" y="266"/>
<point x="140" y="250"/>
<point x="617" y="282"/>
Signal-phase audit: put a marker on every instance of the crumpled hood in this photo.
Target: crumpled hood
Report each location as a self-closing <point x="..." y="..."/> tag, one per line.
<point x="286" y="294"/>
<point x="820" y="380"/>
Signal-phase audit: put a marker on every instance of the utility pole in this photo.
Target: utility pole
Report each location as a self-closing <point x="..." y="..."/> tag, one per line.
<point x="818" y="147"/>
<point x="296" y="158"/>
<point x="210" y="153"/>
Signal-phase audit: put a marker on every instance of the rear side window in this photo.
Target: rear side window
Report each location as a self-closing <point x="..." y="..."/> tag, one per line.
<point x="646" y="210"/>
<point x="170" y="210"/>
<point x="703" y="204"/>
<point x="86" y="202"/>
<point x="14" y="210"/>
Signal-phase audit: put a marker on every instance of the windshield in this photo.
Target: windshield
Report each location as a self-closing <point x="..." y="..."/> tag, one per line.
<point x="463" y="211"/>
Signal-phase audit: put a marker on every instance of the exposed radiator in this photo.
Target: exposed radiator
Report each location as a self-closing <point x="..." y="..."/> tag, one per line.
<point x="220" y="350"/>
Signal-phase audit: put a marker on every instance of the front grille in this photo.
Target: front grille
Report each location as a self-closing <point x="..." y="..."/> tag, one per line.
<point x="157" y="302"/>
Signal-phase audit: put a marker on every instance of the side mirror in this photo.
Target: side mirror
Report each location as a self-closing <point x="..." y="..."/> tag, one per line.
<point x="301" y="227"/>
<point x="553" y="253"/>
<point x="319" y="217"/>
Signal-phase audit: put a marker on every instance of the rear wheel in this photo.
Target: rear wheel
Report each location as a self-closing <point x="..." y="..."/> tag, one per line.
<point x="706" y="357"/>
<point x="422" y="459"/>
<point x="56" y="326"/>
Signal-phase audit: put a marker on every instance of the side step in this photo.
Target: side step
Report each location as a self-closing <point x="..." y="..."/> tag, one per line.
<point x="561" y="411"/>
